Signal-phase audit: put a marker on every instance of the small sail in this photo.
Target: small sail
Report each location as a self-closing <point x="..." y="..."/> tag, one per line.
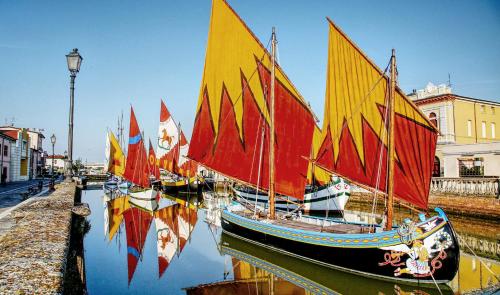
<point x="354" y="143"/>
<point x="154" y="170"/>
<point x="116" y="207"/>
<point x="172" y="150"/>
<point x="167" y="236"/>
<point x="136" y="170"/>
<point x="137" y="223"/>
<point x="233" y="111"/>
<point x="114" y="156"/>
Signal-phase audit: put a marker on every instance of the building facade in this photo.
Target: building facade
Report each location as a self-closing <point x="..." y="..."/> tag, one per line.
<point x="468" y="143"/>
<point x="58" y="162"/>
<point x="37" y="154"/>
<point x="6" y="142"/>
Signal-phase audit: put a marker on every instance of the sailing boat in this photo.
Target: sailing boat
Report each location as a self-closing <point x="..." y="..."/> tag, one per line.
<point x="115" y="164"/>
<point x="137" y="170"/>
<point x="234" y="101"/>
<point x="178" y="172"/>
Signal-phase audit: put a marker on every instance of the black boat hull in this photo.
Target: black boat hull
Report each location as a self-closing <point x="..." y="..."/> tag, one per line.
<point x="380" y="262"/>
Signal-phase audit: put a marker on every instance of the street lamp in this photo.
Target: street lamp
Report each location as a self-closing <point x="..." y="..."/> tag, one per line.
<point x="53" y="141"/>
<point x="74" y="61"/>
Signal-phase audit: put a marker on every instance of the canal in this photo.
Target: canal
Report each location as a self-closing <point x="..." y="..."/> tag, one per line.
<point x="129" y="251"/>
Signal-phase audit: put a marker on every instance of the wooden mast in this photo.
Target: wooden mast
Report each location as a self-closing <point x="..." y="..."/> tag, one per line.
<point x="391" y="147"/>
<point x="272" y="214"/>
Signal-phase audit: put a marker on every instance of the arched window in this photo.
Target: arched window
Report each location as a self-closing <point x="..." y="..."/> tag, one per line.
<point x="436" y="169"/>
<point x="433" y="119"/>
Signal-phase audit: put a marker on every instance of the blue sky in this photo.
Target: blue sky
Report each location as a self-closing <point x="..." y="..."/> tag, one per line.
<point x="137" y="52"/>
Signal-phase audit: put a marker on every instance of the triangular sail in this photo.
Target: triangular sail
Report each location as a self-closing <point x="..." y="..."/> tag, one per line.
<point x="152" y="162"/>
<point x="354" y="140"/>
<point x="137" y="223"/>
<point x="167" y="236"/>
<point x="114" y="156"/>
<point x="233" y="111"/>
<point x="315" y="174"/>
<point x="136" y="170"/>
<point x="116" y="208"/>
<point x="173" y="146"/>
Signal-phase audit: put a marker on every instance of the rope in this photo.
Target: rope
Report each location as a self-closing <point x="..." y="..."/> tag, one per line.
<point x="435" y="283"/>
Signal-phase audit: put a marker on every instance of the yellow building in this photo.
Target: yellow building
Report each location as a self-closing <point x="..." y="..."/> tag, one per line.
<point x="469" y="142"/>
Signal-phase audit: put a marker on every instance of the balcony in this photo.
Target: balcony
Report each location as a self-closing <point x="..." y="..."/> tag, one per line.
<point x="466" y="186"/>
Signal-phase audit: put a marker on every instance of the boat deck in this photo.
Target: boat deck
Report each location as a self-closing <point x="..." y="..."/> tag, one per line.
<point x="340" y="228"/>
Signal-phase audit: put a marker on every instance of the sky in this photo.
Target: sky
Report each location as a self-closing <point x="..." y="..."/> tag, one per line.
<point x="138" y="52"/>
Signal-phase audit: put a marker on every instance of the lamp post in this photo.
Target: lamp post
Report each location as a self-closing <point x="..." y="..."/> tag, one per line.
<point x="74" y="61"/>
<point x="53" y="141"/>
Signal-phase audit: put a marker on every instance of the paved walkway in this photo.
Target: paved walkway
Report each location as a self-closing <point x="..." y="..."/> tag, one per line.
<point x="13" y="193"/>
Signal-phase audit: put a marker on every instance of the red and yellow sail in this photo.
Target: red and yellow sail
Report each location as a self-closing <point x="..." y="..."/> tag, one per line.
<point x="114" y="155"/>
<point x="136" y="170"/>
<point x="137" y="223"/>
<point x="233" y="111"/>
<point x="354" y="139"/>
<point x="154" y="170"/>
<point x="316" y="175"/>
<point x="116" y="208"/>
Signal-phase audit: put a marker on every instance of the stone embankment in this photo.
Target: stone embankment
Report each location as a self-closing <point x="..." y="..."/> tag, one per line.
<point x="33" y="252"/>
<point x="471" y="206"/>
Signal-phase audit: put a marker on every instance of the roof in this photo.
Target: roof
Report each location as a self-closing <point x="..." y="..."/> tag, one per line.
<point x="4" y="134"/>
<point x="10" y="133"/>
<point x="443" y="97"/>
<point x="56" y="157"/>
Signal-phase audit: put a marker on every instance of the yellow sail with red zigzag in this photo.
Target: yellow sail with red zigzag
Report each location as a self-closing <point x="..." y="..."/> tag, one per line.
<point x="232" y="121"/>
<point x="354" y="139"/>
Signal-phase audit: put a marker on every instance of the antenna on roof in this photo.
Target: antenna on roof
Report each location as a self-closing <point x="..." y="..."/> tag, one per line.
<point x="449" y="80"/>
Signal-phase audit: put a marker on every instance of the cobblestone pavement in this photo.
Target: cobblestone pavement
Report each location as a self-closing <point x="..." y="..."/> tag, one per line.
<point x="33" y="251"/>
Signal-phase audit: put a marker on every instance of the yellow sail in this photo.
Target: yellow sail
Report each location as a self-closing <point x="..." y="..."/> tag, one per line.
<point x="116" y="207"/>
<point x="116" y="158"/>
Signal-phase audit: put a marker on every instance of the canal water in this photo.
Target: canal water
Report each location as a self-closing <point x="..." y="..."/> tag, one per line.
<point x="130" y="251"/>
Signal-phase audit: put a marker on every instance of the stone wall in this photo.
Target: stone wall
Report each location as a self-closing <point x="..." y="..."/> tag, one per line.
<point x="33" y="253"/>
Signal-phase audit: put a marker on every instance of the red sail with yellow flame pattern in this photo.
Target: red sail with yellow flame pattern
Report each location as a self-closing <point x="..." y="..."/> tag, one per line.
<point x="354" y="139"/>
<point x="233" y="111"/>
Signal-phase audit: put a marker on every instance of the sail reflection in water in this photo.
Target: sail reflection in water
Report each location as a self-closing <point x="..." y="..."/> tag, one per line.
<point x="174" y="225"/>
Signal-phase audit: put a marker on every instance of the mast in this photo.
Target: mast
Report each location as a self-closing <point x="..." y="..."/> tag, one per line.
<point x="178" y="145"/>
<point x="272" y="214"/>
<point x="391" y="147"/>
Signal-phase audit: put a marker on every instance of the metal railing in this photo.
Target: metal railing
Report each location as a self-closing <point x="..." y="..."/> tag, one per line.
<point x="472" y="186"/>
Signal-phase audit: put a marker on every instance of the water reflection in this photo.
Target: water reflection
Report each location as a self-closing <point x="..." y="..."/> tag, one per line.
<point x="173" y="223"/>
<point x="180" y="249"/>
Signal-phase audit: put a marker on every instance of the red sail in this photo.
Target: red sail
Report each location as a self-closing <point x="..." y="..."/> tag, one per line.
<point x="354" y="139"/>
<point x="137" y="223"/>
<point x="233" y="111"/>
<point x="167" y="234"/>
<point x="154" y="170"/>
<point x="136" y="169"/>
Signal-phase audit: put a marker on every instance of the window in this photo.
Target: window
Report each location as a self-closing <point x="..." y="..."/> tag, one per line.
<point x="433" y="119"/>
<point x="483" y="109"/>
<point x="470" y="167"/>
<point x="483" y="129"/>
<point x="469" y="128"/>
<point x="5" y="150"/>
<point x="492" y="110"/>
<point x="493" y="134"/>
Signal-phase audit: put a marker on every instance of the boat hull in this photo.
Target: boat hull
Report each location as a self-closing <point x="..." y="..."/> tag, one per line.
<point x="326" y="198"/>
<point x="183" y="185"/>
<point x="382" y="255"/>
<point x="147" y="200"/>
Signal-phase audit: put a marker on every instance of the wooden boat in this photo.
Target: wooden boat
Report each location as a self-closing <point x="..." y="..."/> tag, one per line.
<point x="137" y="170"/>
<point x="177" y="172"/>
<point x="330" y="197"/>
<point x="373" y="136"/>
